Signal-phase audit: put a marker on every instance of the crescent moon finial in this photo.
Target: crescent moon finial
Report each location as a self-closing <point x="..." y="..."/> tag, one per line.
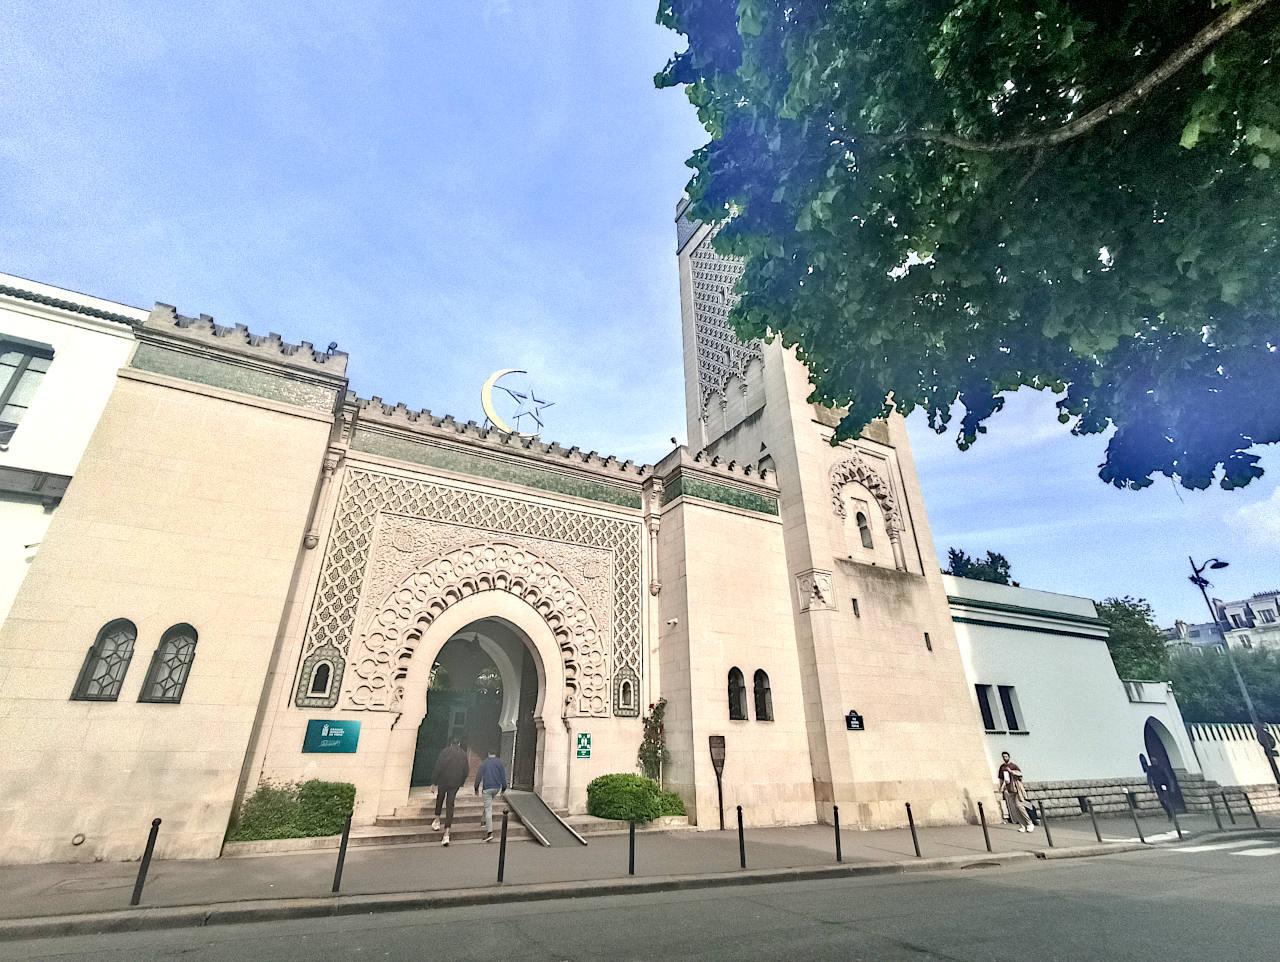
<point x="486" y="401"/>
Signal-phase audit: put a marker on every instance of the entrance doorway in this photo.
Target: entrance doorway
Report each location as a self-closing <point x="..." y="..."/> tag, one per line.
<point x="1162" y="751"/>
<point x="483" y="691"/>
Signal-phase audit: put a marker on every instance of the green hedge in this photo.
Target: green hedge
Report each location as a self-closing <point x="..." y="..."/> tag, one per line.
<point x="630" y="798"/>
<point x="292" y="811"/>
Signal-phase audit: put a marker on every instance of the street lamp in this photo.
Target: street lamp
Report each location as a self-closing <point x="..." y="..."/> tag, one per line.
<point x="1264" y="737"/>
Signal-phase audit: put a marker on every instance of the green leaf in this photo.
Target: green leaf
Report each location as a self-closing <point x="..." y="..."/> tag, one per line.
<point x="1190" y="133"/>
<point x="1261" y="161"/>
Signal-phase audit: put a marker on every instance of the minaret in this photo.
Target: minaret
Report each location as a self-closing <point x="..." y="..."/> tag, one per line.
<point x="873" y="626"/>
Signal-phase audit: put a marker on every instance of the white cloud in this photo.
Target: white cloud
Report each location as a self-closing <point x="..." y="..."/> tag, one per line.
<point x="1258" y="523"/>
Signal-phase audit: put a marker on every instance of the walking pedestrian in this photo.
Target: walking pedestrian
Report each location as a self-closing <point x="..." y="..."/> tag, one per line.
<point x="450" y="773"/>
<point x="492" y="780"/>
<point x="1009" y="785"/>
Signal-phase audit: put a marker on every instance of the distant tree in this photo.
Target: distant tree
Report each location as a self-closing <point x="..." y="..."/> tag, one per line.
<point x="1206" y="688"/>
<point x="994" y="568"/>
<point x="1138" y="647"/>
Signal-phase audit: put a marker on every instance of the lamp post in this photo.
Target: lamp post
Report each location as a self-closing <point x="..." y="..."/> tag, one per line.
<point x="1264" y="737"/>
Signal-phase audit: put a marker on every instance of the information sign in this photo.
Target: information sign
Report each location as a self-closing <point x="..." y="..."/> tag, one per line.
<point x="331" y="736"/>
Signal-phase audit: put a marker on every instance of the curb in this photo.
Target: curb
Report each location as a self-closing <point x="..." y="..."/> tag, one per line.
<point x="264" y="910"/>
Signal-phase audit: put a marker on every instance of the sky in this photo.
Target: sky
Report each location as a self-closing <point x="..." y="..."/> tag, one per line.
<point x="450" y="189"/>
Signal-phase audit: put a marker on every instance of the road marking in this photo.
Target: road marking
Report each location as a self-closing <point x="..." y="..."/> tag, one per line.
<point x="1215" y="847"/>
<point x="1258" y="851"/>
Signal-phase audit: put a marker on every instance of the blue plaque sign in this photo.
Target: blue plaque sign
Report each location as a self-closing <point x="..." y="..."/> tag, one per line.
<point x="331" y="736"/>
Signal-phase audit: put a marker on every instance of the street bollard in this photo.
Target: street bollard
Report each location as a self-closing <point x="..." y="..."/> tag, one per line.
<point x="502" y="846"/>
<point x="982" y="817"/>
<point x="1226" y="803"/>
<point x="146" y="862"/>
<point x="1177" y="827"/>
<point x="1093" y="817"/>
<point x="1044" y="822"/>
<point x="835" y="816"/>
<point x="912" y="822"/>
<point x="631" y="848"/>
<point x="1134" y="812"/>
<point x="1249" y="802"/>
<point x="742" y="841"/>
<point x="1213" y="807"/>
<point x="342" y="852"/>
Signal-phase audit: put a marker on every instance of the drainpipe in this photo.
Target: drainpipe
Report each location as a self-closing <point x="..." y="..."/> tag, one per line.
<point x="568" y="756"/>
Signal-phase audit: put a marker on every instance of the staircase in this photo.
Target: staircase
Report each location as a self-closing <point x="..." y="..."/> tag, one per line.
<point x="412" y="822"/>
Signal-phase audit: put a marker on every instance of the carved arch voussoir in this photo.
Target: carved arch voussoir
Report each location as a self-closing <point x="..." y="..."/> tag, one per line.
<point x="854" y="468"/>
<point x="383" y="651"/>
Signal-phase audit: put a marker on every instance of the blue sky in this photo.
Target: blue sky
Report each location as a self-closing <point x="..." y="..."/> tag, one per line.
<point x="448" y="189"/>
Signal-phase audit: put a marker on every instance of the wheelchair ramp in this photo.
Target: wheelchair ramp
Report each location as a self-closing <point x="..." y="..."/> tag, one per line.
<point x="543" y="824"/>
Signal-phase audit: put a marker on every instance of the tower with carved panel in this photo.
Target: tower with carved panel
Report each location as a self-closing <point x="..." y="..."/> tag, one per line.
<point x="872" y="626"/>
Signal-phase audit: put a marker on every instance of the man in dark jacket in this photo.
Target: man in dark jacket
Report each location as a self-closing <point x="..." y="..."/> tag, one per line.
<point x="452" y="768"/>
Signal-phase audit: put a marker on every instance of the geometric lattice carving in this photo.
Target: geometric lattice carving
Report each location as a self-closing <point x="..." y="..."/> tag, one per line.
<point x="720" y="354"/>
<point x="170" y="665"/>
<point x="102" y="672"/>
<point x="366" y="496"/>
<point x="381" y="656"/>
<point x="854" y="468"/>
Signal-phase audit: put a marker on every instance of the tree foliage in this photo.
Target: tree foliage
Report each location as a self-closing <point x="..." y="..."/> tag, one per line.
<point x="944" y="200"/>
<point x="1207" y="691"/>
<point x="1137" y="645"/>
<point x="994" y="568"/>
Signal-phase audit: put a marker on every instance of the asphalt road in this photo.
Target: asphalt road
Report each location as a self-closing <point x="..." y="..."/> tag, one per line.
<point x="1162" y="905"/>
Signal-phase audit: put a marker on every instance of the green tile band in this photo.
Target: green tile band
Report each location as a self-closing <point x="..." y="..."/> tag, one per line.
<point x="233" y="377"/>
<point x="447" y="459"/>
<point x="719" y="493"/>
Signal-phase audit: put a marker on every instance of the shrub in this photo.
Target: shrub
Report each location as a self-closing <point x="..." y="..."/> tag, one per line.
<point x="292" y="811"/>
<point x="630" y="798"/>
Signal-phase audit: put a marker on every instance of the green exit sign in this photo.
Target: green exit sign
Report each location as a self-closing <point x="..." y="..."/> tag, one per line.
<point x="584" y="744"/>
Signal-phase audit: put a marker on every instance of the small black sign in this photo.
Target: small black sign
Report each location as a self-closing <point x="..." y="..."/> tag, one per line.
<point x="717" y="753"/>
<point x="853" y="721"/>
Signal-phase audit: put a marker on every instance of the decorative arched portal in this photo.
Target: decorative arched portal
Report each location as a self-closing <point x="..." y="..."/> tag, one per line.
<point x="1165" y="758"/>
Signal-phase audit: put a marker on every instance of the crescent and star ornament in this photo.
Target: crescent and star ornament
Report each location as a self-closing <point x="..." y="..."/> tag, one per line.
<point x="529" y="405"/>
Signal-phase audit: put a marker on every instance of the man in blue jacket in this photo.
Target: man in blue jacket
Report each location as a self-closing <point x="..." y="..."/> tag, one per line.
<point x="492" y="778"/>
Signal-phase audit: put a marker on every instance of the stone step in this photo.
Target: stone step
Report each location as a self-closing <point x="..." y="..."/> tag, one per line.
<point x="386" y="835"/>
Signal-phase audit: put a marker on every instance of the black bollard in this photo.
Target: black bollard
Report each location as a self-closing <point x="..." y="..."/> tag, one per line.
<point x="631" y="851"/>
<point x="982" y="817"/>
<point x="1134" y="812"/>
<point x="146" y="862"/>
<point x="835" y="816"/>
<point x="1093" y="817"/>
<point x="1044" y="822"/>
<point x="1226" y="803"/>
<point x="1213" y="807"/>
<point x="502" y="846"/>
<point x="742" y="842"/>
<point x="912" y="822"/>
<point x="1249" y="802"/>
<point x="342" y="852"/>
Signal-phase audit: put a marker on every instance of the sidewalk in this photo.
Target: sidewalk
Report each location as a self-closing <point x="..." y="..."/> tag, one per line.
<point x="42" y="893"/>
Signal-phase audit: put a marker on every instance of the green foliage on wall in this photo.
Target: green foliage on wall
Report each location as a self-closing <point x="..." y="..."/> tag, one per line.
<point x="993" y="568"/>
<point x="290" y="810"/>
<point x="653" y="753"/>
<point x="944" y="200"/>
<point x="1137" y="646"/>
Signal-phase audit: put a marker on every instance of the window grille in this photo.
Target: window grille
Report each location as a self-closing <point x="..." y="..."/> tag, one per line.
<point x="864" y="529"/>
<point x="737" y="696"/>
<point x="170" y="665"/>
<point x="106" y="662"/>
<point x="22" y="368"/>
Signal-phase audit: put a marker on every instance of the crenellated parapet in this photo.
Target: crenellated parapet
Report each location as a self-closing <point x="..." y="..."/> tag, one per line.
<point x="704" y="476"/>
<point x="204" y="332"/>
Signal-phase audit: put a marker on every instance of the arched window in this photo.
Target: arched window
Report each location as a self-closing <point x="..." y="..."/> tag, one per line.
<point x="737" y="696"/>
<point x="319" y="679"/>
<point x="864" y="529"/>
<point x="764" y="697"/>
<point x="626" y="695"/>
<point x="104" y="666"/>
<point x="170" y="665"/>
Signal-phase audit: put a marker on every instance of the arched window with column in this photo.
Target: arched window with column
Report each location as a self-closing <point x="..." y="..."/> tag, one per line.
<point x="764" y="696"/>
<point x="737" y="696"/>
<point x="106" y="662"/>
<point x="170" y="665"/>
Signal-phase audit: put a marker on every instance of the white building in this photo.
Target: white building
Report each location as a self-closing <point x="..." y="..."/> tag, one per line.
<point x="59" y="353"/>
<point x="1253" y="622"/>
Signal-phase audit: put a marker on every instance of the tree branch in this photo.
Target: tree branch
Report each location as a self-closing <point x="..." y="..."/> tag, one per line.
<point x="1184" y="55"/>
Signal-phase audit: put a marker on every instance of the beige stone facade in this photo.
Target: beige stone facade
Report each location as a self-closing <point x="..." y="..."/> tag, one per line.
<point x="289" y="556"/>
